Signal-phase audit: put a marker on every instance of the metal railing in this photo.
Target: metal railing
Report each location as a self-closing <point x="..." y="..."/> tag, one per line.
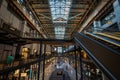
<point x="19" y="63"/>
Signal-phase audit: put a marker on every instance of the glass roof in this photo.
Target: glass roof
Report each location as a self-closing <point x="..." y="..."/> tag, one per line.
<point x="60" y="8"/>
<point x="59" y="32"/>
<point x="60" y="11"/>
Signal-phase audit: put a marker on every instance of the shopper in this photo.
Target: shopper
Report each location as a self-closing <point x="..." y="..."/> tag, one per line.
<point x="9" y="59"/>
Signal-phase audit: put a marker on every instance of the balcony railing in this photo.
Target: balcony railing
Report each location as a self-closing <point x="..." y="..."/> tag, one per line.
<point x="4" y="26"/>
<point x="19" y="63"/>
<point x="26" y="14"/>
<point x="30" y="35"/>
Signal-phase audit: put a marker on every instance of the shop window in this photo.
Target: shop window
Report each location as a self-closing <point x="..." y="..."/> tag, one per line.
<point x="25" y="52"/>
<point x="84" y="55"/>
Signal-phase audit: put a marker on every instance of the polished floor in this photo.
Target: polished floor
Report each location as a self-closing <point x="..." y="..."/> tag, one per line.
<point x="59" y="74"/>
<point x="62" y="71"/>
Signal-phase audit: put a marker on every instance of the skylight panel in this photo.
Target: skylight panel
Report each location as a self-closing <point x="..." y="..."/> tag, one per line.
<point x="60" y="12"/>
<point x="60" y="8"/>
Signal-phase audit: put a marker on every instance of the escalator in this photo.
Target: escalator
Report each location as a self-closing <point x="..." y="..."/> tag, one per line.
<point x="106" y="58"/>
<point x="110" y="40"/>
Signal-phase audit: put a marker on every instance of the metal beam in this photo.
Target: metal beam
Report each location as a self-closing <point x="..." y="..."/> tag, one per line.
<point x="44" y="16"/>
<point x="39" y="61"/>
<point x="81" y="66"/>
<point x="43" y="75"/>
<point x="48" y="40"/>
<point x="75" y="62"/>
<point x="75" y="16"/>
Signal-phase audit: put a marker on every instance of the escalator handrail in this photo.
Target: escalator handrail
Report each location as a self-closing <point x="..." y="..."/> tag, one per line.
<point x="103" y="39"/>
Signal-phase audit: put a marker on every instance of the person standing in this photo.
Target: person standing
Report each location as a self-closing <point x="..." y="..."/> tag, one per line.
<point x="9" y="60"/>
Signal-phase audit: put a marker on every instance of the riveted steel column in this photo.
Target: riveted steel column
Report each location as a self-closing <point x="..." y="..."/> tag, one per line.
<point x="81" y="68"/>
<point x="44" y="62"/>
<point x="39" y="61"/>
<point x="75" y="62"/>
<point x="19" y="75"/>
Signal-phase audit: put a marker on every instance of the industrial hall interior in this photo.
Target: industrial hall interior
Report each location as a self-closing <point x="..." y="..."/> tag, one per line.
<point x="59" y="39"/>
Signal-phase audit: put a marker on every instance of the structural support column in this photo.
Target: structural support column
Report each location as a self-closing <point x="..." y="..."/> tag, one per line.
<point x="75" y="62"/>
<point x="44" y="62"/>
<point x="39" y="61"/>
<point x="17" y="53"/>
<point x="51" y="48"/>
<point x="19" y="77"/>
<point x="69" y="59"/>
<point x="81" y="68"/>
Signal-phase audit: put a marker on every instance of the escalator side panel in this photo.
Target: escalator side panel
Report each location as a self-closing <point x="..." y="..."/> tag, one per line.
<point x="106" y="58"/>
